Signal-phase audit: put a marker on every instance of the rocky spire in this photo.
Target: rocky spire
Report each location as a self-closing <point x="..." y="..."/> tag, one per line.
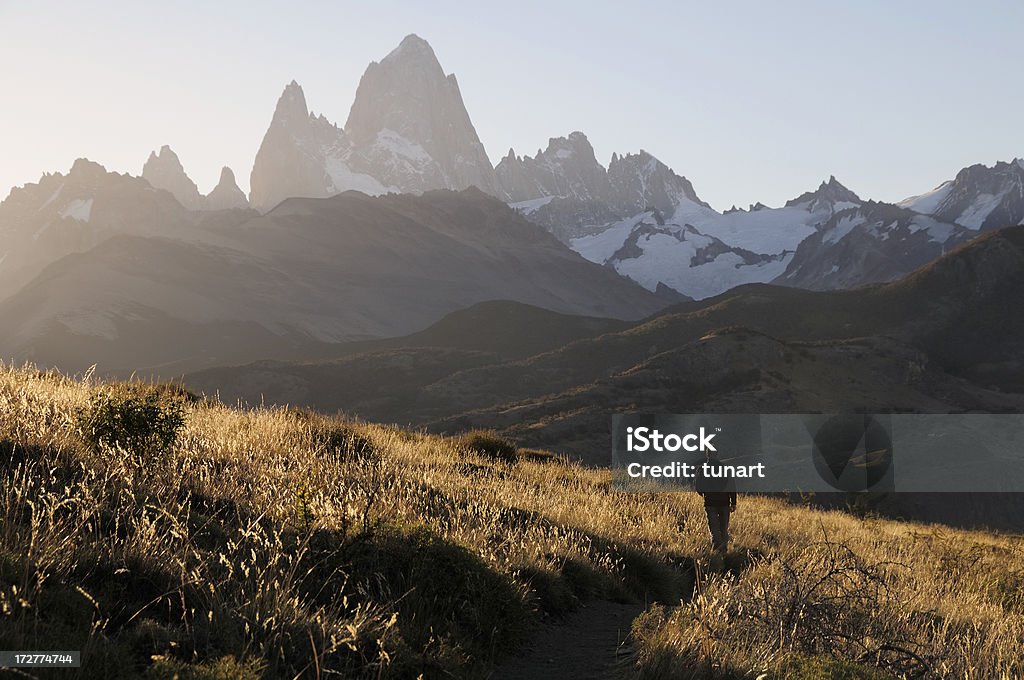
<point x="827" y="194"/>
<point x="226" y="194"/>
<point x="406" y="106"/>
<point x="164" y="171"/>
<point x="291" y="160"/>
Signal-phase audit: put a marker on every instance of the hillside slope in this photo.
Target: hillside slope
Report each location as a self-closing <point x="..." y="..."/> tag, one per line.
<point x="278" y="543"/>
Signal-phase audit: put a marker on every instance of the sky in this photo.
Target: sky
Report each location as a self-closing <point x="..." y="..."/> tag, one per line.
<point x="751" y="100"/>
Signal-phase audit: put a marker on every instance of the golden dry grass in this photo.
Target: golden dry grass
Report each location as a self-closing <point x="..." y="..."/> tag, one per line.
<point x="301" y="545"/>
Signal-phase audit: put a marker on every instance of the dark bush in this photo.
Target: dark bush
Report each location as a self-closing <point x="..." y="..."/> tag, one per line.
<point x="139" y="423"/>
<point x="490" y="444"/>
<point x="343" y="440"/>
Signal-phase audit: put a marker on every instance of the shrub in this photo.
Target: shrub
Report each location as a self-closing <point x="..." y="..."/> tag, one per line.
<point x="490" y="444"/>
<point x="226" y="668"/>
<point x="344" y="440"/>
<point x="147" y="423"/>
<point x="538" y="455"/>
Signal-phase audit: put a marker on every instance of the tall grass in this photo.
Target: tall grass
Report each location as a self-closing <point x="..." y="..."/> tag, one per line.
<point x="280" y="543"/>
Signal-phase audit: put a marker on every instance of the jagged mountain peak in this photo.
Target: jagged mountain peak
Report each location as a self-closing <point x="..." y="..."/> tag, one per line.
<point x="394" y="92"/>
<point x="164" y="170"/>
<point x="291" y="105"/>
<point x="165" y="156"/>
<point x="83" y="167"/>
<point x="412" y="47"/>
<point x="576" y="143"/>
<point x="828" y="193"/>
<point x="566" y="168"/>
<point x="226" y="195"/>
<point x="643" y="181"/>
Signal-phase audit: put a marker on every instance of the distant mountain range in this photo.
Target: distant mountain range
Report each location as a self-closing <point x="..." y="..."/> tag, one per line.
<point x="408" y="131"/>
<point x="304" y="262"/>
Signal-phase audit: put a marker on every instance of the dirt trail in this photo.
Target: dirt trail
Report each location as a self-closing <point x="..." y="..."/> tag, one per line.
<point x="589" y="644"/>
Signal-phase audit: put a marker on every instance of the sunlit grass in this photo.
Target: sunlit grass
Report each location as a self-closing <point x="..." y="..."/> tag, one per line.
<point x="289" y="545"/>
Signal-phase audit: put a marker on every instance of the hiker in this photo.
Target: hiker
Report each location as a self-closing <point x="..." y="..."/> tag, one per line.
<point x="719" y="502"/>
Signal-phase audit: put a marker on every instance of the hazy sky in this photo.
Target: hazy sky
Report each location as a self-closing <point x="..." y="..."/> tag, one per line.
<point x="751" y="100"/>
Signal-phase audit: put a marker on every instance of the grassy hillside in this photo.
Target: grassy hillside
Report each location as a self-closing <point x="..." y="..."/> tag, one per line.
<point x="167" y="536"/>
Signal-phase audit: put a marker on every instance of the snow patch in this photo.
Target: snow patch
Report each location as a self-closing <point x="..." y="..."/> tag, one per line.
<point x="532" y="205"/>
<point x="983" y="205"/>
<point x="601" y="246"/>
<point x="928" y="204"/>
<point x="939" y="232"/>
<point x="691" y="212"/>
<point x="763" y="231"/>
<point x="400" y="146"/>
<point x="344" y="179"/>
<point x="841" y="229"/>
<point x="79" y="209"/>
<point x="666" y="258"/>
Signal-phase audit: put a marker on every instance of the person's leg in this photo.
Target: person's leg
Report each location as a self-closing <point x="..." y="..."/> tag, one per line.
<point x="726" y="513"/>
<point x="714" y="525"/>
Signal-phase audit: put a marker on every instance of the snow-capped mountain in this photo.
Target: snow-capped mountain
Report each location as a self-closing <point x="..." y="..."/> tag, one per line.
<point x="658" y="254"/>
<point x="565" y="188"/>
<point x="408" y="132"/>
<point x="700" y="253"/>
<point x="979" y="197"/>
<point x="869" y="243"/>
